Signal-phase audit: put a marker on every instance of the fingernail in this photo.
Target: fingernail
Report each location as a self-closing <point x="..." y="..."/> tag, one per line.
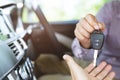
<point x="96" y="27"/>
<point x="64" y="56"/>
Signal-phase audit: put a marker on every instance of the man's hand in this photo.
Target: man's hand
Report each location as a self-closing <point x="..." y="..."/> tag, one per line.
<point x="85" y="27"/>
<point x="101" y="72"/>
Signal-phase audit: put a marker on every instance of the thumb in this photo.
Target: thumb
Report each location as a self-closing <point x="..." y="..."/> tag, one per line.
<point x="77" y="72"/>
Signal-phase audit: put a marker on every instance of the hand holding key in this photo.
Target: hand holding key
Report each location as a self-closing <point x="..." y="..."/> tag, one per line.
<point x="85" y="27"/>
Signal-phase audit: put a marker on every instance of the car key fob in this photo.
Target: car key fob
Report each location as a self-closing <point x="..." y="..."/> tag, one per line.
<point x="97" y="39"/>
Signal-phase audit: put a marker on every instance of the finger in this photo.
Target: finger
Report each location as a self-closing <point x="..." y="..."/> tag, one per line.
<point x="71" y="63"/>
<point x="79" y="36"/>
<point x="85" y="42"/>
<point x="80" y="29"/>
<point x="110" y="76"/>
<point x="101" y="26"/>
<point x="104" y="72"/>
<point x="89" y="68"/>
<point x="68" y="60"/>
<point x="98" y="69"/>
<point x="92" y="21"/>
<point x="76" y="71"/>
<point x="84" y="24"/>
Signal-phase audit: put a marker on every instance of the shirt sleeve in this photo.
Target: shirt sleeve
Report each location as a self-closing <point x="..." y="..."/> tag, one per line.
<point x="105" y="14"/>
<point x="81" y="52"/>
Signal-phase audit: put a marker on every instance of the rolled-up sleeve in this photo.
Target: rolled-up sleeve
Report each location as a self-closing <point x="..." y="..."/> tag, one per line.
<point x="81" y="52"/>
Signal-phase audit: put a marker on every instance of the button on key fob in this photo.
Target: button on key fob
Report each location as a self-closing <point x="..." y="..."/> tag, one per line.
<point x="97" y="39"/>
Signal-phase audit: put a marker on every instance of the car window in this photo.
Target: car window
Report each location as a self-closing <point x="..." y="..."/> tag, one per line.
<point x="57" y="10"/>
<point x="64" y="10"/>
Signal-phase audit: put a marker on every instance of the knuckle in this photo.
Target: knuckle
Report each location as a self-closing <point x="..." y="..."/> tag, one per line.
<point x="75" y="32"/>
<point x="82" y="39"/>
<point x="89" y="15"/>
<point x="82" y="20"/>
<point x="77" y="24"/>
<point x="91" y="30"/>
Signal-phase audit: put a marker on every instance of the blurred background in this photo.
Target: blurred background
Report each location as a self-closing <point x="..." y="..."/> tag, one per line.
<point x="64" y="10"/>
<point x="49" y="27"/>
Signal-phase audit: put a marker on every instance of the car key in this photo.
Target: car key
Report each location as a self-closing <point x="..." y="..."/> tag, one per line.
<point x="97" y="40"/>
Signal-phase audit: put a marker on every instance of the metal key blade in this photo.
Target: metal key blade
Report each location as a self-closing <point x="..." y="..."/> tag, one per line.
<point x="95" y="57"/>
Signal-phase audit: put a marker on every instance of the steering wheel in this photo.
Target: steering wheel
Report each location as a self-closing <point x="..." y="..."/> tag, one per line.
<point x="44" y="41"/>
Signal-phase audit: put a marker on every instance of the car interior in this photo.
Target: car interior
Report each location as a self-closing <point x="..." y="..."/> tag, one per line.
<point x="43" y="37"/>
<point x="38" y="46"/>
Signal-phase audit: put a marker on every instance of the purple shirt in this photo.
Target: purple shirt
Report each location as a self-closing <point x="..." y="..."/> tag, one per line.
<point x="109" y="14"/>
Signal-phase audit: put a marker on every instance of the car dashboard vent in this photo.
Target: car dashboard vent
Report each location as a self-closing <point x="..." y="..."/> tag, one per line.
<point x="18" y="47"/>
